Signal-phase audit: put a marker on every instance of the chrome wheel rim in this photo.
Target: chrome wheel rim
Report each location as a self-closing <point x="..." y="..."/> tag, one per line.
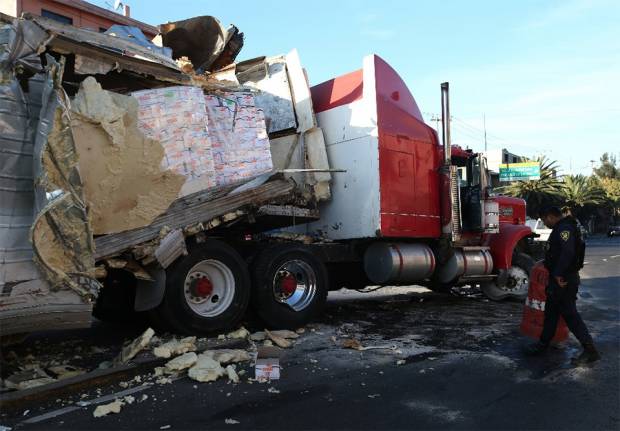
<point x="294" y="284"/>
<point x="518" y="281"/>
<point x="209" y="288"/>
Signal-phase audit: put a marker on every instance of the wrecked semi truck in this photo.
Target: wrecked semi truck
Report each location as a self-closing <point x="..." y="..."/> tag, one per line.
<point x="192" y="189"/>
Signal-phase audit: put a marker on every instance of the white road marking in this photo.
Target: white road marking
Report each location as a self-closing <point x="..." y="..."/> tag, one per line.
<point x="81" y="404"/>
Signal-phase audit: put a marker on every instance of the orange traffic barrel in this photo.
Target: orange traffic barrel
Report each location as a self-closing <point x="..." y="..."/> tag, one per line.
<point x="534" y="310"/>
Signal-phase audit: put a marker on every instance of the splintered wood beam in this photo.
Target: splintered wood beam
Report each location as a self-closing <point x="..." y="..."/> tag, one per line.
<point x="197" y="208"/>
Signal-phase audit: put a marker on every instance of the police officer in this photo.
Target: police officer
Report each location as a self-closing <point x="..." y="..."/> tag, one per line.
<point x="563" y="260"/>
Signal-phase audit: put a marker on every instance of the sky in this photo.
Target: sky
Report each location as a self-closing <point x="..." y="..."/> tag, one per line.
<point x="544" y="75"/>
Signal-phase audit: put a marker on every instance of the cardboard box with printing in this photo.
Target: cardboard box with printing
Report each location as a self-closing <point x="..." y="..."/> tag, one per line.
<point x="177" y="118"/>
<point x="238" y="136"/>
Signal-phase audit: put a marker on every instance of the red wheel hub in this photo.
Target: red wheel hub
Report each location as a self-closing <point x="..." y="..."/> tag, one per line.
<point x="288" y="284"/>
<point x="203" y="287"/>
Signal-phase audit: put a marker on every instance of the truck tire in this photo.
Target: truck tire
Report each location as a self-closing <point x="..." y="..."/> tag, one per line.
<point x="518" y="281"/>
<point x="206" y="291"/>
<point x="290" y="286"/>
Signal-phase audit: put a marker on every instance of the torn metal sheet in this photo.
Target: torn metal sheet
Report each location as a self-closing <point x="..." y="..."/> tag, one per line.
<point x="120" y="166"/>
<point x="203" y="39"/>
<point x="269" y="76"/>
<point x="135" y="35"/>
<point x="117" y="45"/>
<point x="60" y="234"/>
<point x="31" y="269"/>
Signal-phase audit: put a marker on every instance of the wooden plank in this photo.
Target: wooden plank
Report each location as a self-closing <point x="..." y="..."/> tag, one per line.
<point x="191" y="210"/>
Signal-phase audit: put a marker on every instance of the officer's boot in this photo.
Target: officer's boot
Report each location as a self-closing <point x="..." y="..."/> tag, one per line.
<point x="536" y="349"/>
<point x="589" y="355"/>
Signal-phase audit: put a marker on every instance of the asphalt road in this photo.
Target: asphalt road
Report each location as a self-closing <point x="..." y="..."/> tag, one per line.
<point x="463" y="369"/>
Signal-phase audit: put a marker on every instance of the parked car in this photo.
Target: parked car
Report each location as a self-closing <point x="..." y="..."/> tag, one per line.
<point x="538" y="227"/>
<point x="613" y="231"/>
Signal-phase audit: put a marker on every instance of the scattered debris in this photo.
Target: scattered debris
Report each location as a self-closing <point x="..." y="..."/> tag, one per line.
<point x="182" y="362"/>
<point x="267" y="365"/>
<point x="283" y="333"/>
<point x="206" y="369"/>
<point x="227" y="356"/>
<point x="238" y="334"/>
<point x="352" y="343"/>
<point x="232" y="374"/>
<point x="374" y="395"/>
<point x="164" y="427"/>
<point x="258" y="336"/>
<point x="28" y="379"/>
<point x="400" y="362"/>
<point x="175" y="347"/>
<point x="66" y="371"/>
<point x="129" y="399"/>
<point x="278" y="340"/>
<point x="106" y="409"/>
<point x="300" y="330"/>
<point x="135" y="347"/>
<point x="229" y="421"/>
<point x="273" y="390"/>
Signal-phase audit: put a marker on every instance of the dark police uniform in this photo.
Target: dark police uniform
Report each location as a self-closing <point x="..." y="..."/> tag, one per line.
<point x="562" y="260"/>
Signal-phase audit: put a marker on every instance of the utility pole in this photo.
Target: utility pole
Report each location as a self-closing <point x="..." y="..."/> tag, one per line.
<point x="484" y="123"/>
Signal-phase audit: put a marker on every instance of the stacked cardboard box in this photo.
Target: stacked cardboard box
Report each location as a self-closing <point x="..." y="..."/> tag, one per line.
<point x="238" y="137"/>
<point x="177" y="117"/>
<point x="210" y="139"/>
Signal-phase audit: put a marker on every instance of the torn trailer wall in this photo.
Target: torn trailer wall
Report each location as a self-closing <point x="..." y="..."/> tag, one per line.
<point x="46" y="247"/>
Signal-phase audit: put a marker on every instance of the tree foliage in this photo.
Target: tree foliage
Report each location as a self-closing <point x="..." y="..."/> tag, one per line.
<point x="608" y="168"/>
<point x="580" y="192"/>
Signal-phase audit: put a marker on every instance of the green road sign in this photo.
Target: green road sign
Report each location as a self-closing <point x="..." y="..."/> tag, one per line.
<point x="519" y="171"/>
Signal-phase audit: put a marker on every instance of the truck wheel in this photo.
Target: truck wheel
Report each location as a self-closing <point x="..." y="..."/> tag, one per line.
<point x="518" y="281"/>
<point x="206" y="291"/>
<point x="290" y="286"/>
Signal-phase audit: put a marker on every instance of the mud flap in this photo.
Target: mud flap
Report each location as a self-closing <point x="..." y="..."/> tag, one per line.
<point x="149" y="294"/>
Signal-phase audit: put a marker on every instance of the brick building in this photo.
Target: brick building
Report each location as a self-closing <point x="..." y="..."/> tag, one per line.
<point x="76" y="12"/>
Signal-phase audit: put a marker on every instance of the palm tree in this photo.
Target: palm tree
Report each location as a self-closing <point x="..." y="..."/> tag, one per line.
<point x="538" y="193"/>
<point x="580" y="192"/>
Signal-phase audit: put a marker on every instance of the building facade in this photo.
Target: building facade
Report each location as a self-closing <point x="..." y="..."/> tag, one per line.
<point x="76" y="12"/>
<point x="495" y="158"/>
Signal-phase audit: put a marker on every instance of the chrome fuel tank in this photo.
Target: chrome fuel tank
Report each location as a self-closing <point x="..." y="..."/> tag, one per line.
<point x="398" y="263"/>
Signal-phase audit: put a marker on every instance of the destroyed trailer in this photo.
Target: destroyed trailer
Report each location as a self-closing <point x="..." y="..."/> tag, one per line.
<point x="161" y="177"/>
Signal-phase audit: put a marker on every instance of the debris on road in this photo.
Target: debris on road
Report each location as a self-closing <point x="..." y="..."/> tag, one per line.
<point x="258" y="336"/>
<point x="278" y="340"/>
<point x="273" y="390"/>
<point x="135" y="347"/>
<point x="105" y="409"/>
<point x="206" y="369"/>
<point x="238" y="334"/>
<point x="175" y="347"/>
<point x="65" y="371"/>
<point x="400" y="362"/>
<point x="267" y="365"/>
<point x="232" y="374"/>
<point x="28" y="379"/>
<point x="229" y="421"/>
<point x="227" y="356"/>
<point x="182" y="362"/>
